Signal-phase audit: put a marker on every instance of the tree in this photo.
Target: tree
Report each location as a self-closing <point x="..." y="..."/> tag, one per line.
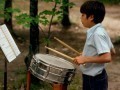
<point x="34" y="38"/>
<point x="34" y="32"/>
<point x="65" y="20"/>
<point x="8" y="16"/>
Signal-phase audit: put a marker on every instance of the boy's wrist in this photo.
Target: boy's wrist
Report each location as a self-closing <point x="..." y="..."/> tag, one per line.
<point x="85" y="60"/>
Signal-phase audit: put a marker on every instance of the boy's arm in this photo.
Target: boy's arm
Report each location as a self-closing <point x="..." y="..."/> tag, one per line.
<point x="103" y="58"/>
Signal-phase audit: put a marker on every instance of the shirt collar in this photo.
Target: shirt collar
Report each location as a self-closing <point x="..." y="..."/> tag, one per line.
<point x="92" y="29"/>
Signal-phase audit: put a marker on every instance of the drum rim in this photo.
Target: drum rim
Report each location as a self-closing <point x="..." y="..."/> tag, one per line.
<point x="68" y="62"/>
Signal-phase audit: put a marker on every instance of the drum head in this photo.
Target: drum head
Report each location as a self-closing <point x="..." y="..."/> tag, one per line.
<point x="53" y="60"/>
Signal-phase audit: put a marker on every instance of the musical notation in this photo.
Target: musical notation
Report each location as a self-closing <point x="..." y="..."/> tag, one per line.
<point x="8" y="44"/>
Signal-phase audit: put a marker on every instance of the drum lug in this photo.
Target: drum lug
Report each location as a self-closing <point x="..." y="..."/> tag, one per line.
<point x="48" y="70"/>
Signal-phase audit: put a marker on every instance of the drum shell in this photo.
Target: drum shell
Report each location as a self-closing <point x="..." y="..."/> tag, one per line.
<point x="51" y="73"/>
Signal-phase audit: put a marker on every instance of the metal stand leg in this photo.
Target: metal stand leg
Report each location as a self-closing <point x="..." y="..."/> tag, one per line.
<point x="5" y="76"/>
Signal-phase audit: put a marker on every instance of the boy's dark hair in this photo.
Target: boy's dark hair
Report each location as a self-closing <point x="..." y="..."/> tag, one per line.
<point x="95" y="8"/>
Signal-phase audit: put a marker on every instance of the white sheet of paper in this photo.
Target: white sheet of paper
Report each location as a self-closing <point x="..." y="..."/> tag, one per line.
<point x="7" y="44"/>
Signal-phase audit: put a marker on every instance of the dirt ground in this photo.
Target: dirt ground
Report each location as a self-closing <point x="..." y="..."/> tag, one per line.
<point x="75" y="37"/>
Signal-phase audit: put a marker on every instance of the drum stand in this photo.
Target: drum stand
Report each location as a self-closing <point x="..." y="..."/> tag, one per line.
<point x="56" y="86"/>
<point x="59" y="86"/>
<point x="28" y="80"/>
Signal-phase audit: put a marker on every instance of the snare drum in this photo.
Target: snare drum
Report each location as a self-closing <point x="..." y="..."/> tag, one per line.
<point x="51" y="68"/>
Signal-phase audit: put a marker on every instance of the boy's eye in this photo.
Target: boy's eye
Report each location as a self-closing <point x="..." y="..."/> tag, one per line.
<point x="81" y="15"/>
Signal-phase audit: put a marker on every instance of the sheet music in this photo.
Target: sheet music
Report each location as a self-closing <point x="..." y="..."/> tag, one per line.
<point x="7" y="44"/>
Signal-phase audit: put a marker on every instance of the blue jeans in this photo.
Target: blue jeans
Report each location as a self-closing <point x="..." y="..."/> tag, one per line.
<point x="99" y="82"/>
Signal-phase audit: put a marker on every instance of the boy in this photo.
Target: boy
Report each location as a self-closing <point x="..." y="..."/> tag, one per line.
<point x="97" y="49"/>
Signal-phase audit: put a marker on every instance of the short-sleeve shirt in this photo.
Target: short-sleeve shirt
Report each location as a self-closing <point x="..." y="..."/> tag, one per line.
<point x="97" y="42"/>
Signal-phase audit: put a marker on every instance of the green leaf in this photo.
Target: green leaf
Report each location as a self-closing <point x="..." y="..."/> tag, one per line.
<point x="60" y="17"/>
<point x="71" y="4"/>
<point x="58" y="12"/>
<point x="58" y="1"/>
<point x="48" y="0"/>
<point x="2" y="15"/>
<point x="11" y="10"/>
<point x="7" y="16"/>
<point x="24" y="19"/>
<point x="46" y="40"/>
<point x="47" y="12"/>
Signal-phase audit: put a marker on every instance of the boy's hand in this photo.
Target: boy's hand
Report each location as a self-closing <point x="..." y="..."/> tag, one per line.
<point x="79" y="60"/>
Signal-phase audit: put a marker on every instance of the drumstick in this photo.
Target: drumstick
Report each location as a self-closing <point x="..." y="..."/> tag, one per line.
<point x="64" y="55"/>
<point x="67" y="45"/>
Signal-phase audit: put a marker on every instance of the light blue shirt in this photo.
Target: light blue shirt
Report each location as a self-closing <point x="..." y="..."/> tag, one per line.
<point x="97" y="42"/>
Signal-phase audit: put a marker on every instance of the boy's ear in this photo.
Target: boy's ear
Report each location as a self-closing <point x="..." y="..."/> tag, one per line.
<point x="91" y="17"/>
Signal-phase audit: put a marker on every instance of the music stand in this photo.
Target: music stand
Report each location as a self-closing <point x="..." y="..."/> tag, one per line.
<point x="9" y="49"/>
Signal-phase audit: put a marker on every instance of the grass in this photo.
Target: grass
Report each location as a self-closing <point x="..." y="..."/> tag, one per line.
<point x="1" y="5"/>
<point x="76" y="83"/>
<point x="41" y="86"/>
<point x="1" y="78"/>
<point x="111" y="1"/>
<point x="19" y="79"/>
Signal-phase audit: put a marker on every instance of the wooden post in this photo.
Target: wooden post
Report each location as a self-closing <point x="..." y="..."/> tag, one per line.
<point x="28" y="80"/>
<point x="59" y="86"/>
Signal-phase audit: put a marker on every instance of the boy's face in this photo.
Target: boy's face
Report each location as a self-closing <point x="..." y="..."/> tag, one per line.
<point x="86" y="21"/>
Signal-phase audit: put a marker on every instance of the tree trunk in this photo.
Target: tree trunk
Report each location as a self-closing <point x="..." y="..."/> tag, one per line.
<point x="34" y="30"/>
<point x="66" y="21"/>
<point x="34" y="40"/>
<point x="34" y="33"/>
<point x="8" y="22"/>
